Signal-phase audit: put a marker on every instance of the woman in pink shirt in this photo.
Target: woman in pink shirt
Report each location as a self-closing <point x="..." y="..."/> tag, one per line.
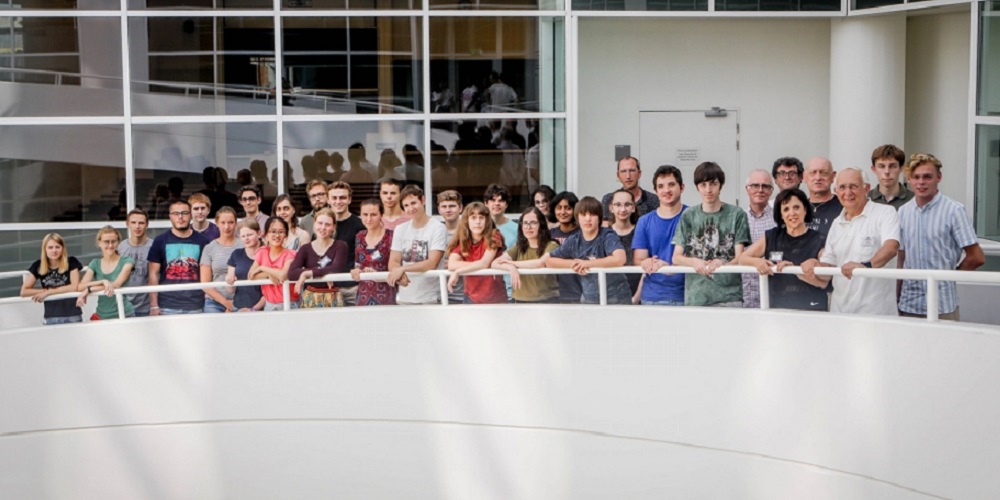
<point x="272" y="263"/>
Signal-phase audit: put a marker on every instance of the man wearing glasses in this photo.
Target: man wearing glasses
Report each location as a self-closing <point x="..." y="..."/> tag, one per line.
<point x="787" y="173"/>
<point x="826" y="206"/>
<point x="316" y="189"/>
<point x="629" y="174"/>
<point x="865" y="235"/>
<point x="760" y="216"/>
<point x="250" y="199"/>
<point x="174" y="258"/>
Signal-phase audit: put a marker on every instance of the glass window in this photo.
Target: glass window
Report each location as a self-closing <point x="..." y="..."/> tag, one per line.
<point x="202" y="65"/>
<point x="359" y="153"/>
<point x="497" y="64"/>
<point x="356" y="65"/>
<point x="988" y="181"/>
<point x="200" y="4"/>
<point x="868" y="4"/>
<point x="59" y="4"/>
<point x="496" y="4"/>
<point x="519" y="153"/>
<point x="353" y="4"/>
<point x="989" y="59"/>
<point x="176" y="160"/>
<point x="60" y="66"/>
<point x="777" y="5"/>
<point x="19" y="249"/>
<point x="61" y="173"/>
<point x="640" y="5"/>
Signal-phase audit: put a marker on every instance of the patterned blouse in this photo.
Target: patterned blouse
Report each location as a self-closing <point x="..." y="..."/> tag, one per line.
<point x="374" y="293"/>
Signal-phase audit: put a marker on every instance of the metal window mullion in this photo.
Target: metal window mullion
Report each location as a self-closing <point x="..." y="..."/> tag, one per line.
<point x="426" y="97"/>
<point x="973" y="118"/>
<point x="130" y="194"/>
<point x="279" y="90"/>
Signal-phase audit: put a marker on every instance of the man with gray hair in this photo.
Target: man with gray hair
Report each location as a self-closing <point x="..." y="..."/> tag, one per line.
<point x="826" y="207"/>
<point x="760" y="216"/>
<point x="865" y="235"/>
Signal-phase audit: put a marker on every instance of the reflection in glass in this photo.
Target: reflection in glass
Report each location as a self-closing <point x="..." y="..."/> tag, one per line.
<point x="203" y="65"/>
<point x="352" y="65"/>
<point x="352" y="4"/>
<point x="989" y="59"/>
<point x="868" y="4"/>
<point x="173" y="161"/>
<point x="61" y="173"/>
<point x="496" y="4"/>
<point x="359" y="153"/>
<point x="60" y="4"/>
<point x="18" y="249"/>
<point x="988" y="181"/>
<point x="200" y="4"/>
<point x="777" y="5"/>
<point x="497" y="64"/>
<point x="60" y="66"/>
<point x="521" y="154"/>
<point x="640" y="5"/>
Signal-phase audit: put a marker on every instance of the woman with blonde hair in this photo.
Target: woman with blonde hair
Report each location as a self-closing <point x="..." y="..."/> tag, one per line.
<point x="214" y="263"/>
<point x="109" y="272"/>
<point x="56" y="272"/>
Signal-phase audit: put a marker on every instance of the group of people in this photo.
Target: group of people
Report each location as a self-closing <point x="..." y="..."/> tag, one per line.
<point x="842" y="222"/>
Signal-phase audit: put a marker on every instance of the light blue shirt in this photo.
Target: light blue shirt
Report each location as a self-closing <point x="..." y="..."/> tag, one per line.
<point x="933" y="237"/>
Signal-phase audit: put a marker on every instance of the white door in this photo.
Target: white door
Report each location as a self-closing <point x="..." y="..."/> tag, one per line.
<point x="685" y="139"/>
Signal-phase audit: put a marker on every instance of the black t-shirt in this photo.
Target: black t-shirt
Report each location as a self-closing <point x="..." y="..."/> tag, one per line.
<point x="347" y="231"/>
<point x="788" y="291"/>
<point x="54" y="279"/>
<point x="823" y="215"/>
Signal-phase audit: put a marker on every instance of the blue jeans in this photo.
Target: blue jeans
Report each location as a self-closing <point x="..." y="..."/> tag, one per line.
<point x="211" y="306"/>
<point x="167" y="312"/>
<point x="663" y="303"/>
<point x="62" y="320"/>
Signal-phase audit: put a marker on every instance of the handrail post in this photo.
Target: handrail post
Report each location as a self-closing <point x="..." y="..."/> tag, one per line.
<point x="602" y="285"/>
<point x="443" y="284"/>
<point x="286" y="296"/>
<point x="932" y="299"/>
<point x="120" y="299"/>
<point x="764" y="289"/>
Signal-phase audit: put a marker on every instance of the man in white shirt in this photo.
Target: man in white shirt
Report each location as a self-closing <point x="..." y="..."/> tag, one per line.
<point x="417" y="246"/>
<point x="865" y="235"/>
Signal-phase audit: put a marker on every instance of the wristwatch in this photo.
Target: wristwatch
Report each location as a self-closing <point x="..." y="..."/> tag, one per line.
<point x="867" y="264"/>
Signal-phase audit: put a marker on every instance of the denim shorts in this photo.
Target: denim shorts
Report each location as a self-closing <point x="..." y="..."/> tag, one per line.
<point x="663" y="303"/>
<point x="62" y="320"/>
<point x="211" y="306"/>
<point x="164" y="311"/>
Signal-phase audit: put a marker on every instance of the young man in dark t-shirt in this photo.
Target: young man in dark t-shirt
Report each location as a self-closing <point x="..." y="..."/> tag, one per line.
<point x="175" y="258"/>
<point x="348" y="226"/>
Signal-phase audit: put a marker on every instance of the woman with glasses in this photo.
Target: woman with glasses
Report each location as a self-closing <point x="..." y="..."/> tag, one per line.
<point x="285" y="208"/>
<point x="272" y="263"/>
<point x="105" y="274"/>
<point x="790" y="244"/>
<point x="533" y="242"/>
<point x="624" y="218"/>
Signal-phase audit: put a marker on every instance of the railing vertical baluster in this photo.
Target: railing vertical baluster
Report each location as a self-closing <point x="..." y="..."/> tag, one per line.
<point x="443" y="284"/>
<point x="764" y="289"/>
<point x="602" y="285"/>
<point x="286" y="296"/>
<point x="120" y="299"/>
<point x="932" y="299"/>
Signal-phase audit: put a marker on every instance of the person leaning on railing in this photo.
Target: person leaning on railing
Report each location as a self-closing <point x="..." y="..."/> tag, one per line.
<point x="245" y="298"/>
<point x="272" y="263"/>
<point x="372" y="248"/>
<point x="316" y="259"/>
<point x="107" y="274"/>
<point x="533" y="242"/>
<point x="56" y="272"/>
<point x="790" y="244"/>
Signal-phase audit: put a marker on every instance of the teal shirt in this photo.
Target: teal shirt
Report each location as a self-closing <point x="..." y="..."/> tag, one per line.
<point x="710" y="236"/>
<point x="107" y="307"/>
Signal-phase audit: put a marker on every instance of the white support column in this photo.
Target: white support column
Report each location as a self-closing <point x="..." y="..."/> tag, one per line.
<point x="867" y="86"/>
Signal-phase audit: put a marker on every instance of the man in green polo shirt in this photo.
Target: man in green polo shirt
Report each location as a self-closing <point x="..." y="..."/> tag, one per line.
<point x="887" y="164"/>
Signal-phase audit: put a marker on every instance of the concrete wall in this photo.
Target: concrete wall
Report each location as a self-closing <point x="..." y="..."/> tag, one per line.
<point x="307" y="405"/>
<point x="777" y="72"/>
<point x="937" y="95"/>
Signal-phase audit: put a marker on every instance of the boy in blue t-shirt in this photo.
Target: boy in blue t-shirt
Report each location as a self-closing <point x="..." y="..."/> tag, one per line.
<point x="653" y="242"/>
<point x="594" y="246"/>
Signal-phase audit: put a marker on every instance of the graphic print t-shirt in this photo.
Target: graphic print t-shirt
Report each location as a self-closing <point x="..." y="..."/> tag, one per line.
<point x="709" y="236"/>
<point x="55" y="279"/>
<point x="179" y="260"/>
<point x="416" y="246"/>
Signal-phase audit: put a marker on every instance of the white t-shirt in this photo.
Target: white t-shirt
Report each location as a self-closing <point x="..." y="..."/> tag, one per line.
<point x="416" y="246"/>
<point x="858" y="240"/>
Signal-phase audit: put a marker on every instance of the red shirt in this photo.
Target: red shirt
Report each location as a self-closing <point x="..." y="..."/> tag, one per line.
<point x="484" y="289"/>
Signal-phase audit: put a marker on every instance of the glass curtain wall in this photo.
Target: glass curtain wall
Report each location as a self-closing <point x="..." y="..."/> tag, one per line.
<point x="987" y="211"/>
<point x="275" y="94"/>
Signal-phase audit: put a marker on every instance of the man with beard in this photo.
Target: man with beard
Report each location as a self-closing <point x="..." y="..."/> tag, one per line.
<point x="174" y="258"/>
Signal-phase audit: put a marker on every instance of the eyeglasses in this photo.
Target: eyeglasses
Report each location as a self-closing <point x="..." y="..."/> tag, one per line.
<point x="180" y="214"/>
<point x="788" y="174"/>
<point x="622" y="205"/>
<point x="760" y="187"/>
<point x="317" y="196"/>
<point x="531" y="223"/>
<point x="249" y="198"/>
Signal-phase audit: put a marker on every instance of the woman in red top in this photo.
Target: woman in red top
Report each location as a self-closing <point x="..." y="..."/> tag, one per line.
<point x="471" y="250"/>
<point x="272" y="263"/>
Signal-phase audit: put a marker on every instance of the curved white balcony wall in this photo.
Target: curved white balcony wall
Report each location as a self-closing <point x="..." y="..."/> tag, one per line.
<point x="476" y="402"/>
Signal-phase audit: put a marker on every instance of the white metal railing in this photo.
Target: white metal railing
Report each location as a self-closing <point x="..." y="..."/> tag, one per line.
<point x="931" y="276"/>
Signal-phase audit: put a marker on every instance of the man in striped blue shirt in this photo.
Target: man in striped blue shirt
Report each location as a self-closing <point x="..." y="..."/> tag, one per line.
<point x="934" y="232"/>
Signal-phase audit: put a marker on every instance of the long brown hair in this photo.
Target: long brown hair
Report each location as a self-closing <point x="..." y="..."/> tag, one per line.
<point x="544" y="235"/>
<point x="463" y="237"/>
